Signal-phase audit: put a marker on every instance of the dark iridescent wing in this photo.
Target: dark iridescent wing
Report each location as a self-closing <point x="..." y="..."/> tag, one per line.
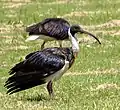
<point x="33" y="71"/>
<point x="35" y="29"/>
<point x="40" y="60"/>
<point x="57" y="28"/>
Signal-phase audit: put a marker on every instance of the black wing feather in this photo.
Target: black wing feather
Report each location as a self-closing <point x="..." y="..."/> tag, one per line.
<point x="54" y="27"/>
<point x="34" y="29"/>
<point x="58" y="28"/>
<point x="33" y="71"/>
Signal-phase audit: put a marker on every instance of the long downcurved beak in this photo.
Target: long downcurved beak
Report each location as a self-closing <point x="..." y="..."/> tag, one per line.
<point x="85" y="32"/>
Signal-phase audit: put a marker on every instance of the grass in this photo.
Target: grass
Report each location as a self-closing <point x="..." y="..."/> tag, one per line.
<point x="93" y="81"/>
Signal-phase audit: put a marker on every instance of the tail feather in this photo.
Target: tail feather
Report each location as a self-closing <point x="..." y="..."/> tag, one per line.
<point x="14" y="91"/>
<point x="16" y="68"/>
<point x="32" y="37"/>
<point x="18" y="83"/>
<point x="30" y="28"/>
<point x="33" y="30"/>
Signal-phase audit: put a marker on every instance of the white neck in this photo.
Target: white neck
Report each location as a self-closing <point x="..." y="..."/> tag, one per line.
<point x="75" y="45"/>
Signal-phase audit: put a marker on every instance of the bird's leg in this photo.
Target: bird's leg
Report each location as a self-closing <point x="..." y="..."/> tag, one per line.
<point x="42" y="46"/>
<point x="60" y="44"/>
<point x="49" y="88"/>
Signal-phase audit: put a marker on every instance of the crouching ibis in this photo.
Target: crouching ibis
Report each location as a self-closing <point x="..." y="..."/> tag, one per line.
<point x="53" y="29"/>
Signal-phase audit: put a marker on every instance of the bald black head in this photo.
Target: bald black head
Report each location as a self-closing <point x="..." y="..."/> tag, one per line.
<point x="76" y="28"/>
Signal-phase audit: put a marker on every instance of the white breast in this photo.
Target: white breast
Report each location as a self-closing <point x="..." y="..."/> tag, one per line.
<point x="59" y="73"/>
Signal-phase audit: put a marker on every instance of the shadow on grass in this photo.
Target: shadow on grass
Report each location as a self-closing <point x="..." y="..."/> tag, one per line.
<point x="38" y="97"/>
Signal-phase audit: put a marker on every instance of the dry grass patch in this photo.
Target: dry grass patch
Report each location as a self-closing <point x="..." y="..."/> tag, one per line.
<point x="58" y="2"/>
<point x="11" y="15"/>
<point x="4" y="28"/>
<point x="82" y="13"/>
<point x="17" y="48"/>
<point x="15" y="0"/>
<point x="86" y="13"/>
<point x="109" y="24"/>
<point x="8" y="37"/>
<point x="1" y="94"/>
<point x="116" y="33"/>
<point x="107" y="71"/>
<point x="76" y="14"/>
<point x="3" y="64"/>
<point x="14" y="3"/>
<point x="2" y="52"/>
<point x="106" y="86"/>
<point x="112" y="32"/>
<point x="112" y="23"/>
<point x="88" y="40"/>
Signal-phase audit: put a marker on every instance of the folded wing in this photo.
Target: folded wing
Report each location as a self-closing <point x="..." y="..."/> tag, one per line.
<point x="33" y="71"/>
<point x="54" y="27"/>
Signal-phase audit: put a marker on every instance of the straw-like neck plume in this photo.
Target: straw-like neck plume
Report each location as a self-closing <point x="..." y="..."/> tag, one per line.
<point x="75" y="45"/>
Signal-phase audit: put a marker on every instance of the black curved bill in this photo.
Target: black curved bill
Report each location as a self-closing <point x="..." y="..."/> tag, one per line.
<point x="85" y="32"/>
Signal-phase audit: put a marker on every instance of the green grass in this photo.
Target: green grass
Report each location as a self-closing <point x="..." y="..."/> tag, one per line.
<point x="96" y="64"/>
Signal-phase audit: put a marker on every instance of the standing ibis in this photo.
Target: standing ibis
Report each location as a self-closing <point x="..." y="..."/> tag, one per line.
<point x="42" y="67"/>
<point x="53" y="29"/>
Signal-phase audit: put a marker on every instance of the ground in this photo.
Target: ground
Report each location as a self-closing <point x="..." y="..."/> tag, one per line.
<point x="93" y="82"/>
